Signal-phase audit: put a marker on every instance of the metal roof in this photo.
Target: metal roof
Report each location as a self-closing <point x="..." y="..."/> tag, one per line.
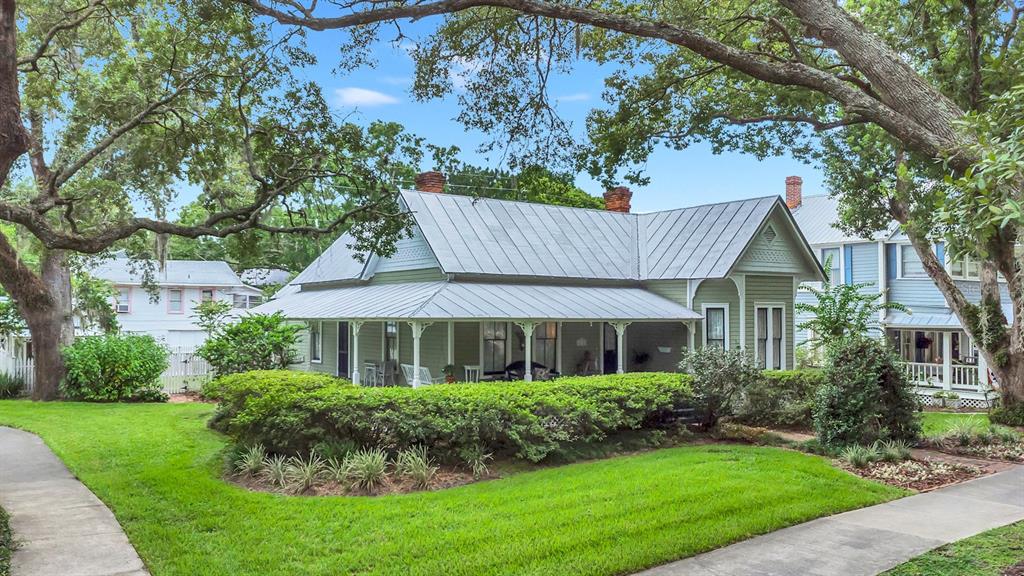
<point x="817" y="217"/>
<point x="499" y="237"/>
<point x="175" y="273"/>
<point x="339" y="262"/>
<point x="469" y="301"/>
<point x="265" y="276"/>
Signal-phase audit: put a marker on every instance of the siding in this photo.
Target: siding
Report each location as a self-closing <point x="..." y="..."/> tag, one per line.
<point x="371" y="348"/>
<point x="779" y="253"/>
<point x="674" y="290"/>
<point x="865" y="266"/>
<point x="425" y="275"/>
<point x="771" y="290"/>
<point x="411" y="253"/>
<point x="574" y="333"/>
<point x="715" y="292"/>
<point x="648" y="337"/>
<point x="467" y="347"/>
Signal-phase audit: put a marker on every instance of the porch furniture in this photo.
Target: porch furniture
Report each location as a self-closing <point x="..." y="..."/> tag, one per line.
<point x="389" y="374"/>
<point x="472" y="373"/>
<point x="424" y="375"/>
<point x="372" y="375"/>
<point x="517" y="369"/>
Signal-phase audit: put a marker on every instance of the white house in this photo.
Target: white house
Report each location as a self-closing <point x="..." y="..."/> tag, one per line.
<point x="182" y="284"/>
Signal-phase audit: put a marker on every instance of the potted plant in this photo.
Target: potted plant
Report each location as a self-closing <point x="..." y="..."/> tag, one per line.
<point x="942" y="396"/>
<point x="449" y="373"/>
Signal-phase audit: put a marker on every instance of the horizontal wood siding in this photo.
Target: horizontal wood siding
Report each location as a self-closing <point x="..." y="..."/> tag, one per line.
<point x="865" y="265"/>
<point x="404" y="276"/>
<point x="771" y="290"/>
<point x="577" y="339"/>
<point x="410" y="254"/>
<point x="371" y="347"/>
<point x="330" y="350"/>
<point x="783" y="253"/>
<point x="719" y="291"/>
<point x="674" y="290"/>
<point x="649" y="338"/>
<point x="467" y="347"/>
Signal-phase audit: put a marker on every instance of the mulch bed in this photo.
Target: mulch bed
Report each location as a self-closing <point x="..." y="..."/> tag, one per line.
<point x="187" y="397"/>
<point x="1015" y="570"/>
<point x="1007" y="451"/>
<point x="920" y="475"/>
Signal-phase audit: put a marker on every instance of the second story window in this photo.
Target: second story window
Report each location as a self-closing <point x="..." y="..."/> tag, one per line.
<point x="124" y="300"/>
<point x="910" y="263"/>
<point x="965" y="267"/>
<point x="240" y="301"/>
<point x="207" y="295"/>
<point x="830" y="260"/>
<point x="175" y="300"/>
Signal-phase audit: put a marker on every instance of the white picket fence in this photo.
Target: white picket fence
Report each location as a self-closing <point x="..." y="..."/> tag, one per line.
<point x="186" y="371"/>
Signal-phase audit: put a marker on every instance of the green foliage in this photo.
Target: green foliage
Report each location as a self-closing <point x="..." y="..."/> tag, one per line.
<point x="212" y="315"/>
<point x="780" y="398"/>
<point x="250" y="461"/>
<point x="532" y="421"/>
<point x="301" y="474"/>
<point x="255" y="342"/>
<point x="235" y="390"/>
<point x="532" y="184"/>
<point x="114" y="368"/>
<point x="719" y="378"/>
<point x="94" y="303"/>
<point x="367" y="469"/>
<point x="866" y="396"/>
<point x="11" y="386"/>
<point x="275" y="470"/>
<point x="415" y="464"/>
<point x="841" y="310"/>
<point x="11" y="322"/>
<point x="6" y="543"/>
<point x="1009" y="415"/>
<point x="859" y="456"/>
<point x="893" y="450"/>
<point x="993" y="553"/>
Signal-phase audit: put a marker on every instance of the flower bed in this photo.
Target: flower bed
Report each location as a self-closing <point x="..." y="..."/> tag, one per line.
<point x="917" y="474"/>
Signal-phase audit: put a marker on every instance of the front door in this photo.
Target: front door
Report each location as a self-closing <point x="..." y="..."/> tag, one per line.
<point x="343" y="350"/>
<point x="610" y="349"/>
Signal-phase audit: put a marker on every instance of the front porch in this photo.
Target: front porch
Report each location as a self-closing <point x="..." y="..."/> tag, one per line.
<point x="415" y="353"/>
<point x="943" y="360"/>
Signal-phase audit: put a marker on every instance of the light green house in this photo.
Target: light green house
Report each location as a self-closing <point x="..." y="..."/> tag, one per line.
<point x="491" y="286"/>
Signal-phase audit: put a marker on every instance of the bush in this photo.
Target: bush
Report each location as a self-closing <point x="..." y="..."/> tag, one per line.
<point x="1009" y="415"/>
<point x="256" y="342"/>
<point x="234" y="390"/>
<point x="781" y="398"/>
<point x="719" y="378"/>
<point x="859" y="456"/>
<point x="867" y="396"/>
<point x="11" y="386"/>
<point x="114" y="368"/>
<point x="533" y="421"/>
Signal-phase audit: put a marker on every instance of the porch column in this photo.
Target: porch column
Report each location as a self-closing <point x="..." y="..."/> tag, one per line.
<point x="528" y="360"/>
<point x="417" y="331"/>
<point x="691" y="329"/>
<point x="356" y="325"/>
<point x="451" y="344"/>
<point x="947" y="360"/>
<point x="558" y="348"/>
<point x="620" y="331"/>
<point x="982" y="373"/>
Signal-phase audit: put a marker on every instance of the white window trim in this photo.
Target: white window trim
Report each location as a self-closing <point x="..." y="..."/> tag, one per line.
<point x="319" y="342"/>
<point x="769" y="345"/>
<point x="384" y="340"/>
<point x="899" y="263"/>
<point x="182" y="301"/>
<point x="704" y="322"/>
<point x="117" y="300"/>
<point x="841" y="259"/>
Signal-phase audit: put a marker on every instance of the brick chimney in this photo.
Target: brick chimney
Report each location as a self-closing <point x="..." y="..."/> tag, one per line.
<point x="430" y="182"/>
<point x="794" y="191"/>
<point x="617" y="199"/>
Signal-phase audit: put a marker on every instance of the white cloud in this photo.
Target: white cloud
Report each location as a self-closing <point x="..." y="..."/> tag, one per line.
<point x="577" y="97"/>
<point x="462" y="70"/>
<point x="352" y="96"/>
<point x="396" y="80"/>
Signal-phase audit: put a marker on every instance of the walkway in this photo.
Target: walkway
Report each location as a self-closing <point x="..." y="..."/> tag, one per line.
<point x="61" y="527"/>
<point x="870" y="540"/>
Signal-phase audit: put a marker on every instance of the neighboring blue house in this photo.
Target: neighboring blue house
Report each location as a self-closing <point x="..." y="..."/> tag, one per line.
<point x="938" y="352"/>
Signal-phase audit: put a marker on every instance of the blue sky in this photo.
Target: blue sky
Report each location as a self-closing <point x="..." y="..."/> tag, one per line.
<point x="678" y="178"/>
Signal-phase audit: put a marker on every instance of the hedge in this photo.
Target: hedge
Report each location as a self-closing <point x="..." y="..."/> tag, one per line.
<point x="781" y="398"/>
<point x="531" y="421"/>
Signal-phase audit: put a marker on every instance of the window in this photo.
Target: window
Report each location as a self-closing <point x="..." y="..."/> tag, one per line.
<point x="770" y="342"/>
<point x="715" y="330"/>
<point x="316" y="342"/>
<point x="910" y="263"/>
<point x="255" y="300"/>
<point x="239" y="300"/>
<point x="124" y="300"/>
<point x="495" y="346"/>
<point x="175" y="300"/>
<point x="965" y="267"/>
<point x="391" y="341"/>
<point x="545" y="344"/>
<point x="830" y="259"/>
<point x="206" y="295"/>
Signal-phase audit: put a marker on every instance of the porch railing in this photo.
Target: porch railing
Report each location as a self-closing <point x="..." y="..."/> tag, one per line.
<point x="925" y="374"/>
<point x="962" y="377"/>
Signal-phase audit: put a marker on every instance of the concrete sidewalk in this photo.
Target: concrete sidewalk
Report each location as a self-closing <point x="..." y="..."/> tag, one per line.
<point x="60" y="526"/>
<point x="871" y="540"/>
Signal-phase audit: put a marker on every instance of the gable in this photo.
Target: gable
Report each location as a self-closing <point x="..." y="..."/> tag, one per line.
<point x="411" y="253"/>
<point x="777" y="247"/>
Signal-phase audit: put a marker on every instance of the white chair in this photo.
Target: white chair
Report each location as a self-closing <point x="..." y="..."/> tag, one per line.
<point x="472" y="373"/>
<point x="371" y="375"/>
<point x="425" y="377"/>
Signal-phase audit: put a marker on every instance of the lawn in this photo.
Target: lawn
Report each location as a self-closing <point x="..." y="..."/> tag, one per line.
<point x="935" y="423"/>
<point x="987" y="554"/>
<point x="6" y="544"/>
<point x="157" y="467"/>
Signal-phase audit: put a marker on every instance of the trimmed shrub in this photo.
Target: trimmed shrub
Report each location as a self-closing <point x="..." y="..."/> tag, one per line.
<point x="1008" y="415"/>
<point x="114" y="368"/>
<point x="781" y="398"/>
<point x="255" y="342"/>
<point x="531" y="421"/>
<point x="233" y="390"/>
<point x="719" y="378"/>
<point x="867" y="396"/>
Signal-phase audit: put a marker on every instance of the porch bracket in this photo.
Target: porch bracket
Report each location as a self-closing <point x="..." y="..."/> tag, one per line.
<point x="356" y="325"/>
<point x="620" y="332"/>
<point x="528" y="360"/>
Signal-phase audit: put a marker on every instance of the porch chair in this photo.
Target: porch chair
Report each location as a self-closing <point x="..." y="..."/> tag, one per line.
<point x="425" y="378"/>
<point x="371" y="375"/>
<point x="472" y="373"/>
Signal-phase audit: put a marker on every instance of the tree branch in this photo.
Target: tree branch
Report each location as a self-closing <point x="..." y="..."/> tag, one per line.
<point x="31" y="62"/>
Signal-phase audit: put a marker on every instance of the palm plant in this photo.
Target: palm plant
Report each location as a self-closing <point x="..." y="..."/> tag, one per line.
<point x="841" y="309"/>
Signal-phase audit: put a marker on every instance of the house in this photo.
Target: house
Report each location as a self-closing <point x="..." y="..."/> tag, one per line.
<point x="489" y="287"/>
<point x="263" y="277"/>
<point x="938" y="352"/>
<point x="180" y="286"/>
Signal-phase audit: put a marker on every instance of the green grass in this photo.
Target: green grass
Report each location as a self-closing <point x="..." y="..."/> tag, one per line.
<point x="158" y="466"/>
<point x="6" y="544"/>
<point x="987" y="554"/>
<point x="936" y="423"/>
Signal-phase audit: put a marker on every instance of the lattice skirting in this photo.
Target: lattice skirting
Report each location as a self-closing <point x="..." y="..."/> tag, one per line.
<point x="928" y="400"/>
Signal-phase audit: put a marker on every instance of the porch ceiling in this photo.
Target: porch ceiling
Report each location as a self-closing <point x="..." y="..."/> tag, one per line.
<point x="477" y="301"/>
